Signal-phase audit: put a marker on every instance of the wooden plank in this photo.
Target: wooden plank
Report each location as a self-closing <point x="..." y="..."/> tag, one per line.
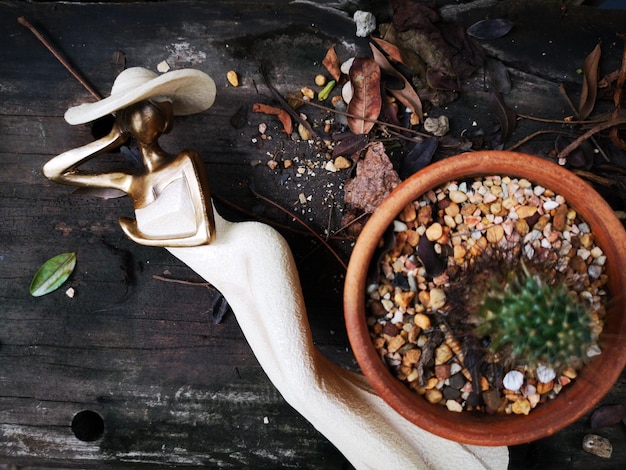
<point x="173" y="388"/>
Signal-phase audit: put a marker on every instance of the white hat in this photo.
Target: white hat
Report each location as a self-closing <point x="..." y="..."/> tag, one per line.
<point x="190" y="91"/>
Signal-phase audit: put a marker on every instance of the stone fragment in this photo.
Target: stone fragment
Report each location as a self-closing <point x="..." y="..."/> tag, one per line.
<point x="408" y="214"/>
<point x="365" y="23"/>
<point x="232" y="78"/>
<point x="403" y="298"/>
<point x="526" y="211"/>
<point x="453" y="405"/>
<point x="433" y="395"/>
<point x="341" y="163"/>
<point x="521" y="406"/>
<point x="545" y="373"/>
<point x="396" y="343"/>
<point x="443" y="354"/>
<point x="597" y="445"/>
<point x="422" y="320"/>
<point x="434" y="232"/>
<point x="513" y="380"/>
<point x="458" y="196"/>
<point x="495" y="233"/>
<point x="437" y="298"/>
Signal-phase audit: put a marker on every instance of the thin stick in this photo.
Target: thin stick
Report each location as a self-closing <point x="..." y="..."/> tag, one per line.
<point x="600" y="127"/>
<point x="313" y="232"/>
<point x="180" y="281"/>
<point x="23" y="21"/>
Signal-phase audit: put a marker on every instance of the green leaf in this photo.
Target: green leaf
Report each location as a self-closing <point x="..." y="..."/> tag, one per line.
<point x="52" y="274"/>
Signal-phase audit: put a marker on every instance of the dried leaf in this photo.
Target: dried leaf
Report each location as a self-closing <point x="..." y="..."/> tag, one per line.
<point x="590" y="83"/>
<point x="439" y="80"/>
<point x="419" y="157"/>
<point x="506" y="116"/>
<point x="490" y="29"/>
<point x="52" y="274"/>
<point x="283" y="115"/>
<point x="498" y="76"/>
<point x="364" y="107"/>
<point x="331" y="62"/>
<point x="375" y="179"/>
<point x="434" y="264"/>
<point x="390" y="49"/>
<point x="607" y="415"/>
<point x="406" y="94"/>
<point x="350" y="145"/>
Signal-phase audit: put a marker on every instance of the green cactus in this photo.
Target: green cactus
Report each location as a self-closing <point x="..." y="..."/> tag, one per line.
<point x="535" y="321"/>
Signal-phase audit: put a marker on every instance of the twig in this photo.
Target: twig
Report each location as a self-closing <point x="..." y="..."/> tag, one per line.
<point x="300" y="221"/>
<point x="23" y="21"/>
<point x="535" y="134"/>
<point x="594" y="130"/>
<point x="573" y="108"/>
<point x="180" y="281"/>
<point x="617" y="98"/>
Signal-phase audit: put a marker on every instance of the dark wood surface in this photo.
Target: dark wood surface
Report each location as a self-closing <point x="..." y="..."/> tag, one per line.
<point x="172" y="387"/>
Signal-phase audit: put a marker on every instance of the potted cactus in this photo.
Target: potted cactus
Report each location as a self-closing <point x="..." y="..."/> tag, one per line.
<point x="511" y="325"/>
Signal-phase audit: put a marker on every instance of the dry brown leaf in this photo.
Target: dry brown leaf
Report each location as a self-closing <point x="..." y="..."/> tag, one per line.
<point x="590" y="83"/>
<point x="390" y="49"/>
<point x="331" y="62"/>
<point x="375" y="179"/>
<point x="283" y="115"/>
<point x="406" y="95"/>
<point x="364" y="107"/>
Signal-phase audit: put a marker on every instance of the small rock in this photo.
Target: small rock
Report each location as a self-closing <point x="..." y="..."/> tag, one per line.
<point x="232" y="78"/>
<point x="457" y="381"/>
<point x="453" y="405"/>
<point x="521" y="406"/>
<point x="341" y="163"/>
<point x="451" y="393"/>
<point x="492" y="399"/>
<point x="443" y="354"/>
<point x="365" y="23"/>
<point x="513" y="380"/>
<point x="458" y="196"/>
<point x="437" y="298"/>
<point x="437" y="126"/>
<point x="526" y="211"/>
<point x="422" y="320"/>
<point x="433" y="395"/>
<point x="495" y="233"/>
<point x="545" y="374"/>
<point x="597" y="445"/>
<point x="434" y="232"/>
<point x="163" y="66"/>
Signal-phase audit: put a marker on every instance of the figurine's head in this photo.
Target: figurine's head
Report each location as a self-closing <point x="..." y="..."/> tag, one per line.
<point x="189" y="91"/>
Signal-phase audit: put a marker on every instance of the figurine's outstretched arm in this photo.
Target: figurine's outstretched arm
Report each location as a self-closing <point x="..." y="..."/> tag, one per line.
<point x="62" y="168"/>
<point x="252" y="265"/>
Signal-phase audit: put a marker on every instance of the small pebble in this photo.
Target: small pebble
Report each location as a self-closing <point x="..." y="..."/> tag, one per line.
<point x="545" y="374"/>
<point x="453" y="405"/>
<point x="365" y="23"/>
<point x="434" y="232"/>
<point x="597" y="445"/>
<point x="513" y="380"/>
<point x="232" y="78"/>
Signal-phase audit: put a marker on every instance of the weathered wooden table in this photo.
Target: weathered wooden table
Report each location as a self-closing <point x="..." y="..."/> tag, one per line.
<point x="165" y="385"/>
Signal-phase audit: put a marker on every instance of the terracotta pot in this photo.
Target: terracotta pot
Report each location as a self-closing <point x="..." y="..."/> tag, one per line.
<point x="593" y="381"/>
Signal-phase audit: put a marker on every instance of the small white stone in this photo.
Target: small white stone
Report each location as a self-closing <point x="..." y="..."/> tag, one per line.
<point x="594" y="350"/>
<point x="454" y="406"/>
<point x="513" y="380"/>
<point x="545" y="374"/>
<point x="345" y="67"/>
<point x="399" y="226"/>
<point x="70" y="292"/>
<point x="550" y="204"/>
<point x="365" y="23"/>
<point x="163" y="66"/>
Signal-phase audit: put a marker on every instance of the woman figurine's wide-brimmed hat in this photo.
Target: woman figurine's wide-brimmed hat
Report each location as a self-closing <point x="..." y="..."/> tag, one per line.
<point x="190" y="91"/>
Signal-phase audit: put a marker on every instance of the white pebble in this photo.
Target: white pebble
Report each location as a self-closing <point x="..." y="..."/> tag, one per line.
<point x="594" y="271"/>
<point x="550" y="204"/>
<point x="539" y="190"/>
<point x="594" y="350"/>
<point x="399" y="226"/>
<point x="365" y="23"/>
<point x="513" y="380"/>
<point x="545" y="374"/>
<point x="454" y="406"/>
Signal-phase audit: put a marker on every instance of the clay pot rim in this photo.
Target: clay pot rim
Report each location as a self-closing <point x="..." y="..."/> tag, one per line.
<point x="576" y="399"/>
